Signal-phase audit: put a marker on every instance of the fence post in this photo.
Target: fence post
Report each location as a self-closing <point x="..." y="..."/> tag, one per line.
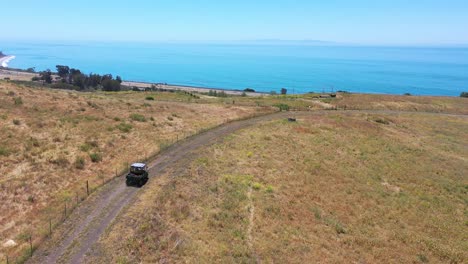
<point x="65" y="211"/>
<point x="50" y="226"/>
<point x="7" y="260"/>
<point x="87" y="187"/>
<point x="30" y="244"/>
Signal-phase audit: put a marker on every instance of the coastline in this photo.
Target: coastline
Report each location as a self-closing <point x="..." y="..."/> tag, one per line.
<point x="189" y="88"/>
<point x="18" y="75"/>
<point x="5" y="60"/>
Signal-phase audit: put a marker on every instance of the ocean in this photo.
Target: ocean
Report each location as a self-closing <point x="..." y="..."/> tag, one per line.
<point x="262" y="67"/>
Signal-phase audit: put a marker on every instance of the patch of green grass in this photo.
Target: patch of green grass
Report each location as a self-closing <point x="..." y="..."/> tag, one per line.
<point x="138" y="117"/>
<point x="124" y="127"/>
<point x="18" y="100"/>
<point x="80" y="163"/>
<point x="4" y="151"/>
<point x="95" y="157"/>
<point x="282" y="107"/>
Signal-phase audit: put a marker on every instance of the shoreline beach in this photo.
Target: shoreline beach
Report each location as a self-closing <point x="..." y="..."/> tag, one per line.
<point x="5" y="60"/>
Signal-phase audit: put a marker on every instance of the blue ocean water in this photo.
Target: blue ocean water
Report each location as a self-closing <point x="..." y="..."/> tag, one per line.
<point x="299" y="68"/>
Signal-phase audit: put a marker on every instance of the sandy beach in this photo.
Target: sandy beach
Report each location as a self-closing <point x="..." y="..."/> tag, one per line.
<point x="4" y="60"/>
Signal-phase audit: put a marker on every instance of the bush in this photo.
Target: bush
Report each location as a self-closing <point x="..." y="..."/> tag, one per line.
<point x="124" y="127"/>
<point x="4" y="151"/>
<point x="95" y="157"/>
<point x="16" y="122"/>
<point x="150" y="98"/>
<point x="138" y="117"/>
<point x="249" y="90"/>
<point x="80" y="163"/>
<point x="464" y="94"/>
<point x="61" y="161"/>
<point x="85" y="147"/>
<point x="18" y="100"/>
<point x="65" y="86"/>
<point x="282" y="107"/>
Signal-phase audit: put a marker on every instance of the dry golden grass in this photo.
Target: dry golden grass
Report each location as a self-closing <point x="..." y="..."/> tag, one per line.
<point x="436" y="104"/>
<point x="49" y="138"/>
<point x="340" y="187"/>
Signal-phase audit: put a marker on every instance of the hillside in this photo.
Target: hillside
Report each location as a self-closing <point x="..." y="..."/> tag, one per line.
<point x="335" y="187"/>
<point x="53" y="142"/>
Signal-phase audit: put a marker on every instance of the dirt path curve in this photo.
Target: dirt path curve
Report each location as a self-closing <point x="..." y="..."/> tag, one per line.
<point x="72" y="241"/>
<point x="74" y="238"/>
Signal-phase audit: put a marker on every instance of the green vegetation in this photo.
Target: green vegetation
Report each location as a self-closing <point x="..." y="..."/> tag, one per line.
<point x="95" y="157"/>
<point x="138" y="117"/>
<point x="124" y="127"/>
<point x="150" y="98"/>
<point x="74" y="79"/>
<point x="282" y="107"/>
<point x="18" y="100"/>
<point x="80" y="163"/>
<point x="464" y="94"/>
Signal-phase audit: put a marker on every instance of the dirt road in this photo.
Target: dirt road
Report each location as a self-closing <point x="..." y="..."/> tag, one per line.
<point x="74" y="238"/>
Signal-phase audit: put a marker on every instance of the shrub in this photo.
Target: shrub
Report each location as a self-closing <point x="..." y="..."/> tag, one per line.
<point x="249" y="90"/>
<point x="64" y="86"/>
<point x="256" y="186"/>
<point x="18" y="100"/>
<point x="170" y="118"/>
<point x="464" y="94"/>
<point x="282" y="107"/>
<point x="61" y="161"/>
<point x="80" y="163"/>
<point x="95" y="157"/>
<point x="85" y="147"/>
<point x="16" y="122"/>
<point x="407" y="94"/>
<point x="138" y="117"/>
<point x="4" y="151"/>
<point x="124" y="127"/>
<point x="11" y="93"/>
<point x="150" y="98"/>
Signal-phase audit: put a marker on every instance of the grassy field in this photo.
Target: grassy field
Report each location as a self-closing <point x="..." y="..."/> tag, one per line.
<point x="335" y="187"/>
<point x="52" y="142"/>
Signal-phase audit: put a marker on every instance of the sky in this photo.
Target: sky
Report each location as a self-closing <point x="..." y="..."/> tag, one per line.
<point x="380" y="22"/>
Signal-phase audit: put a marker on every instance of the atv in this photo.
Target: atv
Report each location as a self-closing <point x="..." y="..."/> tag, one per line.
<point x="138" y="175"/>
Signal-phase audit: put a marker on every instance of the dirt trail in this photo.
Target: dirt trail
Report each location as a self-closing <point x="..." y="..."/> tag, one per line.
<point x="73" y="240"/>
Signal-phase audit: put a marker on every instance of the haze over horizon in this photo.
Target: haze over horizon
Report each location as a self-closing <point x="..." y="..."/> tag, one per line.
<point x="362" y="22"/>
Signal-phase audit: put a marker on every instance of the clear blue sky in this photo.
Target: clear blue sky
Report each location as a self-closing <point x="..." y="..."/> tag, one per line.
<point x="349" y="21"/>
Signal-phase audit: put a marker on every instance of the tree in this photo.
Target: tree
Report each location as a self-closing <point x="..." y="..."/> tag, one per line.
<point x="284" y="91"/>
<point x="119" y="79"/>
<point x="63" y="71"/>
<point x="46" y="76"/>
<point x="79" y="80"/>
<point x="110" y="85"/>
<point x="464" y="94"/>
